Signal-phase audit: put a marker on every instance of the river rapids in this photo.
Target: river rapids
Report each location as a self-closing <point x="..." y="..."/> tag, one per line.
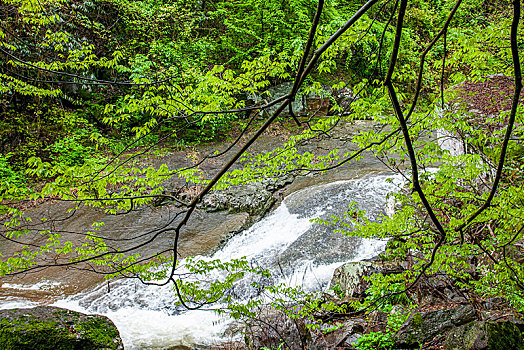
<point x="288" y="242"/>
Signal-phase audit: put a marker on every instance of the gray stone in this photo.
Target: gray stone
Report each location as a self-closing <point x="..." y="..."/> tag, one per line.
<point x="273" y="327"/>
<point x="493" y="315"/>
<point x="346" y="333"/>
<point x="272" y="185"/>
<point x="349" y="277"/>
<point x="450" y="142"/>
<point x="277" y="91"/>
<point x="485" y="335"/>
<point x="421" y="327"/>
<point x="352" y="339"/>
<point x="344" y="98"/>
<point x="377" y="321"/>
<point x="253" y="198"/>
<point x="48" y="327"/>
<point x="318" y="104"/>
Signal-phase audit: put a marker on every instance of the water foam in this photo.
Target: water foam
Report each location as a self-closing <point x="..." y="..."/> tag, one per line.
<point x="286" y="241"/>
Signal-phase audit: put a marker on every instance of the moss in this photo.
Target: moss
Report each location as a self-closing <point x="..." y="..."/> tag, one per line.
<point x="29" y="333"/>
<point x="503" y="336"/>
<point x="417" y="320"/>
<point x="99" y="330"/>
<point x="56" y="330"/>
<point x="411" y="339"/>
<point x="485" y="335"/>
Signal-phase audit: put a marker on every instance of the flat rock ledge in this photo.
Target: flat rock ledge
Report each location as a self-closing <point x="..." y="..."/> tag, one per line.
<point x="53" y="328"/>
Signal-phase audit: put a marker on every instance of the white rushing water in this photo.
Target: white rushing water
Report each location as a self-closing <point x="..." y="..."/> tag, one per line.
<point x="296" y="250"/>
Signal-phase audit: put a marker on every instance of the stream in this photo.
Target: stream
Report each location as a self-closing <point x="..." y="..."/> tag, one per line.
<point x="287" y="242"/>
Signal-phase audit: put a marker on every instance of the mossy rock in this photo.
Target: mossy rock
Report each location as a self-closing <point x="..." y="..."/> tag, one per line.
<point x="53" y="328"/>
<point x="485" y="335"/>
<point x="421" y="327"/>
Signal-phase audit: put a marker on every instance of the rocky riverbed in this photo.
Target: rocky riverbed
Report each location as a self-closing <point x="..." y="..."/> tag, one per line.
<point x="443" y="319"/>
<point x="223" y="214"/>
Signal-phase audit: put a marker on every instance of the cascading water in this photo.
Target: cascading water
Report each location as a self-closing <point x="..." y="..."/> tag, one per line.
<point x="295" y="250"/>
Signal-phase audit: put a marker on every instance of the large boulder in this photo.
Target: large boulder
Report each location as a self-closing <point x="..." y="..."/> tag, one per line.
<point x="421" y="327"/>
<point x="313" y="104"/>
<point x="343" y="335"/>
<point x="349" y="278"/>
<point x="272" y="328"/>
<point x="344" y="98"/>
<point x="485" y="335"/>
<point x="253" y="198"/>
<point x="280" y="90"/>
<point x="53" y="328"/>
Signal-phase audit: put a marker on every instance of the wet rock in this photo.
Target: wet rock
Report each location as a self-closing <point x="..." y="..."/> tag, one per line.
<point x="349" y="278"/>
<point x="500" y="316"/>
<point x="204" y="233"/>
<point x="517" y="321"/>
<point x="421" y="327"/>
<point x="272" y="185"/>
<point x="344" y="98"/>
<point x="485" y="335"/>
<point x="251" y="198"/>
<point x="377" y="321"/>
<point x="343" y="335"/>
<point x="280" y="90"/>
<point x="318" y="106"/>
<point x="47" y="327"/>
<point x="272" y="328"/>
<point x="254" y="198"/>
<point x="451" y="142"/>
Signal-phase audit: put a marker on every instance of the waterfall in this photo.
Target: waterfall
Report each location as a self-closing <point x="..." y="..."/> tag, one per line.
<point x="296" y="250"/>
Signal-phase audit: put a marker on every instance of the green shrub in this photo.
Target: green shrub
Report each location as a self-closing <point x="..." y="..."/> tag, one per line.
<point x="9" y="177"/>
<point x="375" y="341"/>
<point x="70" y="151"/>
